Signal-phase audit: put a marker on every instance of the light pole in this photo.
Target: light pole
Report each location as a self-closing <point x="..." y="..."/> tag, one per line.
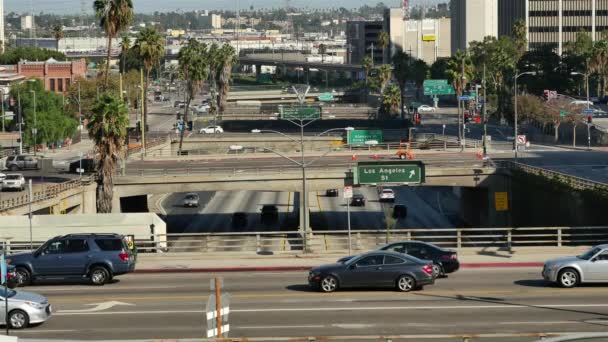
<point x="303" y="164"/>
<point x="515" y="102"/>
<point x="20" y="123"/>
<point x="35" y="129"/>
<point x="586" y="75"/>
<point x="485" y="118"/>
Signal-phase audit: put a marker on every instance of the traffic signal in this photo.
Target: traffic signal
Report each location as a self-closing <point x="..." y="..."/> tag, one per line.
<point x="190" y="125"/>
<point x="138" y="126"/>
<point x="589" y="119"/>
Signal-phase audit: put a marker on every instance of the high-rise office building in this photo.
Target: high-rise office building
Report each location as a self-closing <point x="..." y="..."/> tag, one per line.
<point x="2" y="23"/>
<point x="362" y="40"/>
<point x="472" y="20"/>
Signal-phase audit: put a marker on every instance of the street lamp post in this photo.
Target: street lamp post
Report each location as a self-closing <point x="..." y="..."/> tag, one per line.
<point x="35" y="129"/>
<point x="2" y="104"/>
<point x="586" y="76"/>
<point x="303" y="165"/>
<point x="20" y="123"/>
<point x="515" y="102"/>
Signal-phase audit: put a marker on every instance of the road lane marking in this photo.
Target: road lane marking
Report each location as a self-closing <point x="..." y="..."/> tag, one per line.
<point x="97" y="289"/>
<point x="283" y="327"/>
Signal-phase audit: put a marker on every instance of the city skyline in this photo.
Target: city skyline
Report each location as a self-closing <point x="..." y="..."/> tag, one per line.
<point x="150" y="6"/>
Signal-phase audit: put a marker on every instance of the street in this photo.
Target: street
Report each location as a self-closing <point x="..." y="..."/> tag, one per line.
<point x="471" y="301"/>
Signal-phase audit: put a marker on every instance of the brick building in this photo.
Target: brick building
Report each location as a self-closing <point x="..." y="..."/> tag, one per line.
<point x="57" y="76"/>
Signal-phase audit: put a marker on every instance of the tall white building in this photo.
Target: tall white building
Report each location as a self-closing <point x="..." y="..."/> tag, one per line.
<point x="2" y="23"/>
<point x="26" y="22"/>
<point x="472" y="20"/>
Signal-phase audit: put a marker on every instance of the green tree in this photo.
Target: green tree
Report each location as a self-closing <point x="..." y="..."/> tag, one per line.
<point x="384" y="41"/>
<point x="114" y="16"/>
<point x="402" y="70"/>
<point x="228" y="58"/>
<point x="367" y="64"/>
<point x="151" y="47"/>
<point x="107" y="128"/>
<point x="58" y="33"/>
<point x="14" y="55"/>
<point x="384" y="76"/>
<point x="391" y="99"/>
<point x="420" y="73"/>
<point x="322" y="51"/>
<point x="194" y="68"/>
<point x="520" y="38"/>
<point x="215" y="63"/>
<point x="599" y="63"/>
<point x="125" y="45"/>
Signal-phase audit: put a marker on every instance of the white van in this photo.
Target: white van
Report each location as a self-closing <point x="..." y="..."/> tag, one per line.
<point x="581" y="103"/>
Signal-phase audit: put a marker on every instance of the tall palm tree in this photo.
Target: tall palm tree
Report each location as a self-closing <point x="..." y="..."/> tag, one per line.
<point x="125" y="45"/>
<point x="520" y="38"/>
<point x="460" y="72"/>
<point x="58" y="33"/>
<point x="322" y="51"/>
<point x="367" y="65"/>
<point x="420" y="72"/>
<point x="108" y="128"/>
<point x="384" y="75"/>
<point x="390" y="98"/>
<point x="384" y="41"/>
<point x="402" y="69"/>
<point x="194" y="68"/>
<point x="114" y="16"/>
<point x="599" y="63"/>
<point x="151" y="48"/>
<point x="215" y="62"/>
<point x="228" y="58"/>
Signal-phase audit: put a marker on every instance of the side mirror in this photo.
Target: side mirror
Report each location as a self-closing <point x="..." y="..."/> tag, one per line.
<point x="352" y="267"/>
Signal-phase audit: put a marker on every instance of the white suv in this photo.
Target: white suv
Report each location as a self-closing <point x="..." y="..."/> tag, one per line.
<point x="211" y="130"/>
<point x="387" y="195"/>
<point x="13" y="182"/>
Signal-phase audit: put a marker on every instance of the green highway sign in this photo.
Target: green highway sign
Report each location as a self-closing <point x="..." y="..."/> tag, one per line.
<point x="326" y="97"/>
<point x="360" y="136"/>
<point x="562" y="113"/>
<point x="398" y="172"/>
<point x="434" y="83"/>
<point x="439" y="89"/>
<point x="300" y="113"/>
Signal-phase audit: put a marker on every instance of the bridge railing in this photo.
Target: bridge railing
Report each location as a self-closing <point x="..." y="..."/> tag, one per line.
<point x="47" y="191"/>
<point x="570" y="180"/>
<point x="362" y="240"/>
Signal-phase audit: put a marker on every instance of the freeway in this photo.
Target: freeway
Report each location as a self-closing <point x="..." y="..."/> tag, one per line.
<point x="503" y="302"/>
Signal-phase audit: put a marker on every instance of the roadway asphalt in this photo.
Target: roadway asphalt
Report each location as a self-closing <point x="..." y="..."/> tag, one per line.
<point x="497" y="302"/>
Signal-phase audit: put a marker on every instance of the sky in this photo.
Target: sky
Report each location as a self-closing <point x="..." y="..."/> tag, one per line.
<point x="149" y="6"/>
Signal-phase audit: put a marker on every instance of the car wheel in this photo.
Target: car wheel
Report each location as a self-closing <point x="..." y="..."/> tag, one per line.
<point x="437" y="271"/>
<point x="406" y="283"/>
<point x="99" y="275"/>
<point x="18" y="319"/>
<point x="328" y="284"/>
<point x="23" y="275"/>
<point x="568" y="278"/>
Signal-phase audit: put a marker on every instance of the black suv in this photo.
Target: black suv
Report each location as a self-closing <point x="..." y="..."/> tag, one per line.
<point x="98" y="257"/>
<point x="270" y="214"/>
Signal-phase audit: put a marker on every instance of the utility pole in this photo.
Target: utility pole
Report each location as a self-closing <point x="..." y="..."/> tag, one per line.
<point x="20" y="123"/>
<point x="485" y="118"/>
<point x="143" y="117"/>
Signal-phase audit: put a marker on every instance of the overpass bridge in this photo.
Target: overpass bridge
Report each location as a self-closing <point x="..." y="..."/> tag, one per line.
<point x="294" y="60"/>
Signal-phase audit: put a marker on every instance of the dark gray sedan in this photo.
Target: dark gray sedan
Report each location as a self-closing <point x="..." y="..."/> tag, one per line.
<point x="375" y="269"/>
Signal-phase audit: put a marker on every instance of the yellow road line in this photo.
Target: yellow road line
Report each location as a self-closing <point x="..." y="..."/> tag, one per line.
<point x="293" y="295"/>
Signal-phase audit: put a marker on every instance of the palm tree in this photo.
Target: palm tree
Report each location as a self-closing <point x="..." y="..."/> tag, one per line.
<point x="151" y="47"/>
<point x="402" y="69"/>
<point x="460" y="71"/>
<point x="58" y="33"/>
<point x="367" y="66"/>
<point x="520" y="38"/>
<point x="108" y="128"/>
<point x="384" y="76"/>
<point x="420" y="71"/>
<point x="599" y="63"/>
<point x="322" y="51"/>
<point x="384" y="41"/>
<point x="125" y="45"/>
<point x="194" y="68"/>
<point x="228" y="58"/>
<point x="391" y="98"/>
<point x="215" y="61"/>
<point x="114" y="16"/>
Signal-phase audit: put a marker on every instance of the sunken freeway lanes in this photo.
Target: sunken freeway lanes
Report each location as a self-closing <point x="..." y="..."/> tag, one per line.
<point x="171" y="306"/>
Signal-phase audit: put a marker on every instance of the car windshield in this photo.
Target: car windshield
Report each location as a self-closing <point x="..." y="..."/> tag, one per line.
<point x="191" y="197"/>
<point x="589" y="254"/>
<point x="13" y="177"/>
<point x="388" y="191"/>
<point x="4" y="292"/>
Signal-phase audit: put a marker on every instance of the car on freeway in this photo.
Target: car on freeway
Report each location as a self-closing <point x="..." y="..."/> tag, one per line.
<point x="13" y="182"/>
<point x="191" y="200"/>
<point x="98" y="257"/>
<point x="21" y="162"/>
<point x="202" y="109"/>
<point x="87" y="165"/>
<point x="387" y="195"/>
<point x="358" y="200"/>
<point x="426" y="109"/>
<point x="239" y="220"/>
<point x="179" y="104"/>
<point x="399" y="211"/>
<point x="331" y="193"/>
<point x="2" y="176"/>
<point x="211" y="130"/>
<point x="443" y="260"/>
<point x="270" y="214"/>
<point x="374" y="269"/>
<point x="589" y="267"/>
<point x="24" y="308"/>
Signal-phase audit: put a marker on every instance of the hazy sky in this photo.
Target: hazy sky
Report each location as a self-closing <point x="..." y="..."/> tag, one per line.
<point x="148" y="6"/>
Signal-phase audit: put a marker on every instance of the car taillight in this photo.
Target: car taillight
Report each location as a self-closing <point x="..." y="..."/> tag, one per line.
<point x="428" y="269"/>
<point x="123" y="256"/>
<point x="449" y="256"/>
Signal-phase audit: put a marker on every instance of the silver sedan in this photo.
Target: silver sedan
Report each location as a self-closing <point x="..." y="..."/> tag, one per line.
<point x="24" y="308"/>
<point x="589" y="267"/>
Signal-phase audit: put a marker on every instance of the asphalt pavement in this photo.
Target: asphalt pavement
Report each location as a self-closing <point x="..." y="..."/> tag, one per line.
<point x="500" y="304"/>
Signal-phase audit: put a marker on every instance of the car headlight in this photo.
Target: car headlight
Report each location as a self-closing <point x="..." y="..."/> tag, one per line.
<point x="554" y="267"/>
<point x="35" y="305"/>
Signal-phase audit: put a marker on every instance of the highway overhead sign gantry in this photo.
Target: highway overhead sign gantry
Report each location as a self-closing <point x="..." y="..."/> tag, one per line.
<point x="394" y="172"/>
<point x="360" y="136"/>
<point x="300" y="113"/>
<point x="438" y="87"/>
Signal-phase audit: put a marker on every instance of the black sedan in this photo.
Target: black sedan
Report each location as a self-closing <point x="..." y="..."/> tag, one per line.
<point x="444" y="260"/>
<point x="375" y="269"/>
<point x="358" y="200"/>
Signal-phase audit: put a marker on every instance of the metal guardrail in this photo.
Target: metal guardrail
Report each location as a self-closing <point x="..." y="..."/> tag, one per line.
<point x="572" y="181"/>
<point x="48" y="191"/>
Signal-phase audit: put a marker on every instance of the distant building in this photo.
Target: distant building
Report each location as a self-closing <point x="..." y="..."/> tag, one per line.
<point x="212" y="20"/>
<point x="56" y="76"/>
<point x="26" y="22"/>
<point x="472" y="20"/>
<point x="554" y="22"/>
<point x="362" y="37"/>
<point x="2" y="24"/>
<point x="427" y="39"/>
<point x="44" y="43"/>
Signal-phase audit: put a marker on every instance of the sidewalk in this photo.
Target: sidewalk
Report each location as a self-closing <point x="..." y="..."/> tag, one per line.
<point x="250" y="262"/>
